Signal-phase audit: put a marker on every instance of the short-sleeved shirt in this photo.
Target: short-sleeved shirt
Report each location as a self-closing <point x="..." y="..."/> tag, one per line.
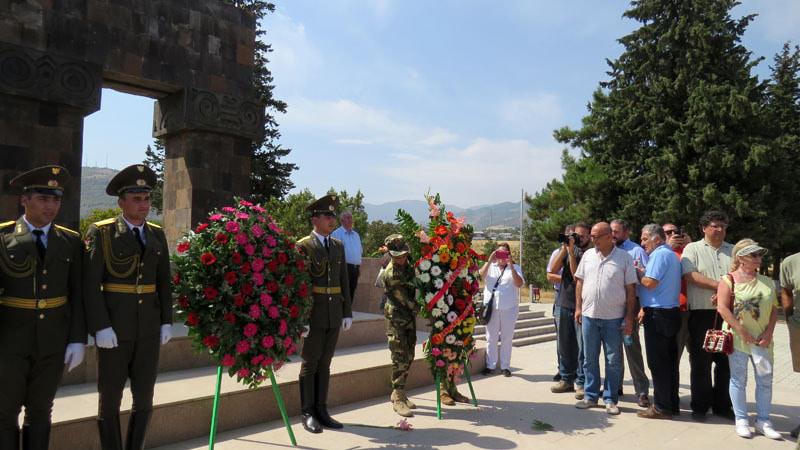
<point x="710" y="262"/>
<point x="550" y="262"/>
<point x="664" y="267"/>
<point x="790" y="275"/>
<point x="506" y="296"/>
<point x="753" y="308"/>
<point x="566" y="292"/>
<point x="636" y="251"/>
<point x="604" y="281"/>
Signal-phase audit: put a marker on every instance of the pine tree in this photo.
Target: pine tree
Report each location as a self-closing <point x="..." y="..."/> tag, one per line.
<point x="154" y="158"/>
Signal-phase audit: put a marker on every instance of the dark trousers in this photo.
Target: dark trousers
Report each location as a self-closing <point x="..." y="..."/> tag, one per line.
<point x="137" y="360"/>
<point x="315" y="371"/>
<point x="570" y="347"/>
<point x="706" y="395"/>
<point x="661" y="327"/>
<point x="28" y="380"/>
<point x="352" y="278"/>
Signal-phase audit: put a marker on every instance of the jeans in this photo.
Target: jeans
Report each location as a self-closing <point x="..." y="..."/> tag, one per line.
<point x="609" y="333"/>
<point x="738" y="362"/>
<point x="661" y="325"/>
<point x="570" y="347"/>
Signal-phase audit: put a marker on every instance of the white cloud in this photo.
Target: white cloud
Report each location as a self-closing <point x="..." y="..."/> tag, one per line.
<point x="294" y="59"/>
<point x="533" y="115"/>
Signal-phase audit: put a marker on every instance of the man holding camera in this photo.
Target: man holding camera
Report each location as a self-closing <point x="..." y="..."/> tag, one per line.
<point x="569" y="336"/>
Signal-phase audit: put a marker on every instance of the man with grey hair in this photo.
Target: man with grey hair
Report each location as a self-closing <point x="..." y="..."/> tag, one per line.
<point x="659" y="289"/>
<point x="352" y="249"/>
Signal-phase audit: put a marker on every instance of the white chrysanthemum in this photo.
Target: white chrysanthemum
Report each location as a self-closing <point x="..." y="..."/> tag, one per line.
<point x="451" y="316"/>
<point x="450" y="339"/>
<point x="438" y="283"/>
<point x="436" y="271"/>
<point x="436" y="312"/>
<point x="445" y="308"/>
<point x="438" y="324"/>
<point x="449" y="299"/>
<point x="428" y="297"/>
<point x="435" y="258"/>
<point x="440" y="303"/>
<point x="425" y="265"/>
<point x="469" y="278"/>
<point x="424" y="277"/>
<point x="448" y="274"/>
<point x="463" y="273"/>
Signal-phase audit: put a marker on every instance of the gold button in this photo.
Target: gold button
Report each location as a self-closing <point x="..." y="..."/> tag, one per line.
<point x="41" y="316"/>
<point x="138" y="289"/>
<point x="140" y="301"/>
<point x="140" y="276"/>
<point x="41" y="304"/>
<point x="44" y="287"/>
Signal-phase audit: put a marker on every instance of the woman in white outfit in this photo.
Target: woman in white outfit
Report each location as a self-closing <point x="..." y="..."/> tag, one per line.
<point x="503" y="277"/>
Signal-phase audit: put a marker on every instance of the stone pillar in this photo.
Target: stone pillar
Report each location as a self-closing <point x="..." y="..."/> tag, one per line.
<point x="207" y="139"/>
<point x="43" y="100"/>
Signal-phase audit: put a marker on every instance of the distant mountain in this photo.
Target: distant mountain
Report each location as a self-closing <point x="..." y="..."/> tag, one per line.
<point x="504" y="214"/>
<point x="93" y="189"/>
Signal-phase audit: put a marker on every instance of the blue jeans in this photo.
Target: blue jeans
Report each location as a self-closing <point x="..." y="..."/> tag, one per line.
<point x="609" y="333"/>
<point x="570" y="346"/>
<point x="738" y="387"/>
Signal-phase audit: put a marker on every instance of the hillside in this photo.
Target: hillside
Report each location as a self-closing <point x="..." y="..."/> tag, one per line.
<point x="93" y="189"/>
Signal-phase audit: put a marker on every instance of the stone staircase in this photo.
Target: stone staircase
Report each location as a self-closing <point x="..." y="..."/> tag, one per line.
<point x="534" y="325"/>
<point x="184" y="391"/>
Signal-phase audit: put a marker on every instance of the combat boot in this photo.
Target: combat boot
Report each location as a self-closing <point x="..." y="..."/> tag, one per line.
<point x="407" y="401"/>
<point x="457" y="396"/>
<point x="446" y="399"/>
<point x="399" y="405"/>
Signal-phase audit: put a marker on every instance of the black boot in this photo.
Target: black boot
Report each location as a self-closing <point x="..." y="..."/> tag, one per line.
<point x="310" y="423"/>
<point x="110" y="436"/>
<point x="9" y="438"/>
<point x="321" y="382"/>
<point x="137" y="429"/>
<point x="36" y="436"/>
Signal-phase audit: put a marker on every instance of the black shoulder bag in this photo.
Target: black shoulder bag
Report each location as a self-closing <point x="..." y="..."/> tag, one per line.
<point x="485" y="314"/>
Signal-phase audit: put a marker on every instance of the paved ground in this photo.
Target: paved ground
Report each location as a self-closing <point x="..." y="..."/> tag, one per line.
<point x="521" y="412"/>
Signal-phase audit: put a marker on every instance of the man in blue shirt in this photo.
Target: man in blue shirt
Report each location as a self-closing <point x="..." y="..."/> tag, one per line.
<point x="620" y="232"/>
<point x="352" y="249"/>
<point x="659" y="290"/>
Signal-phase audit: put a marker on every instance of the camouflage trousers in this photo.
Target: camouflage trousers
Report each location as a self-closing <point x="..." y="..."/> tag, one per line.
<point x="401" y="331"/>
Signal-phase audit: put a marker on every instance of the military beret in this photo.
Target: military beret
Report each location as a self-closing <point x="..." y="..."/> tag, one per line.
<point x="396" y="244"/>
<point x="47" y="180"/>
<point x="135" y="178"/>
<point x="325" y="205"/>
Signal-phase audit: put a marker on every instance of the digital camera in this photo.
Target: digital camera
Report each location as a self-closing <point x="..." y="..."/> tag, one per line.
<point x="564" y="238"/>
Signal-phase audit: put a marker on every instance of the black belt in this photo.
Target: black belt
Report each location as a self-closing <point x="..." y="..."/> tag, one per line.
<point x="651" y="308"/>
<point x="354" y="265"/>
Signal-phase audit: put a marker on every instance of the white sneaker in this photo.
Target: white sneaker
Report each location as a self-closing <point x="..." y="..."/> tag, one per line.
<point x="766" y="429"/>
<point x="743" y="428"/>
<point x="612" y="409"/>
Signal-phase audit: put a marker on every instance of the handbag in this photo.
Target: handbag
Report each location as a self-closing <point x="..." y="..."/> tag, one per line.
<point x="720" y="341"/>
<point x="485" y="311"/>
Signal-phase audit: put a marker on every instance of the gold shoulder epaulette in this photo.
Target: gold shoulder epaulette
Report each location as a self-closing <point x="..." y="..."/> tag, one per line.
<point x="303" y="239"/>
<point x="5" y="224"/>
<point x="106" y="221"/>
<point x="153" y="224"/>
<point x="70" y="231"/>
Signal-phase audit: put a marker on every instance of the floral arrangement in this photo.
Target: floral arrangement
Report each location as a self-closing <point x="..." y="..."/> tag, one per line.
<point x="243" y="291"/>
<point x="447" y="279"/>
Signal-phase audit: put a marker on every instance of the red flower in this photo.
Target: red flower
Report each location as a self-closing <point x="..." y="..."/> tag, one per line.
<point x="247" y="289"/>
<point x="208" y="258"/>
<point x="250" y="330"/>
<point x="460" y="305"/>
<point x="301" y="265"/>
<point x="230" y="318"/>
<point x="245" y="268"/>
<point x="236" y="258"/>
<point x="183" y="301"/>
<point x="221" y="238"/>
<point x="183" y="246"/>
<point x="302" y="290"/>
<point x="294" y="311"/>
<point x="426" y="249"/>
<point x="201" y="227"/>
<point x="273" y="312"/>
<point x="285" y="301"/>
<point x="243" y="346"/>
<point x="228" y="360"/>
<point x="272" y="266"/>
<point x="441" y="230"/>
<point x="210" y="292"/>
<point x="461" y="248"/>
<point x="176" y="279"/>
<point x="288" y="280"/>
<point x="211" y="341"/>
<point x="230" y="278"/>
<point x="272" y="286"/>
<point x="283" y="328"/>
<point x="192" y="319"/>
<point x="267" y="342"/>
<point x="282" y="258"/>
<point x="238" y="300"/>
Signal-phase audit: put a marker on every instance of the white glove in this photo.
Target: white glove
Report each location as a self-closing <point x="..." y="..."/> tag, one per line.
<point x="306" y="330"/>
<point x="166" y="333"/>
<point x="106" y="338"/>
<point x="347" y="322"/>
<point x="74" y="355"/>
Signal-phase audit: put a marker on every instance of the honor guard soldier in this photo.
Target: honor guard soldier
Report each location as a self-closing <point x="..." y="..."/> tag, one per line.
<point x="401" y="313"/>
<point x="42" y="324"/>
<point x="331" y="310"/>
<point x="128" y="305"/>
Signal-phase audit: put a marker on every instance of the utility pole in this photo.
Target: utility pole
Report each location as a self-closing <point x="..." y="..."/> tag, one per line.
<point x="521" y="221"/>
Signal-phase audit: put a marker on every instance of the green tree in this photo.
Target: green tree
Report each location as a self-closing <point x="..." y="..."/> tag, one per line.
<point x="377" y="230"/>
<point x="290" y="212"/>
<point x="97" y="215"/>
<point x="154" y="158"/>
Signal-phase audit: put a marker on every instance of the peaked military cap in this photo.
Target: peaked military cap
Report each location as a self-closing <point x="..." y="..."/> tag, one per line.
<point x="396" y="244"/>
<point x="47" y="180"/>
<point x="135" y="178"/>
<point x="325" y="205"/>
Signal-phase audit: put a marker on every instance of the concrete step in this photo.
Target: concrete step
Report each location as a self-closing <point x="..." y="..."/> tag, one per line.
<point x="534" y="339"/>
<point x="357" y="373"/>
<point x="179" y="354"/>
<point x="524" y="323"/>
<point x="524" y="315"/>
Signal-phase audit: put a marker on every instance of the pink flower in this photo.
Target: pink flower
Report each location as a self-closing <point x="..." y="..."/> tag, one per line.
<point x="274" y="227"/>
<point x="435" y="351"/>
<point x="259" y="209"/>
<point x="270" y="241"/>
<point x="249" y="249"/>
<point x="266" y="299"/>
<point x="267" y="342"/>
<point x="215" y="217"/>
<point x="273" y="312"/>
<point x="232" y="227"/>
<point x="228" y="209"/>
<point x="228" y="360"/>
<point x="243" y="346"/>
<point x="256" y="360"/>
<point x="255" y="311"/>
<point x="250" y="330"/>
<point x="423" y="236"/>
<point x="258" y="279"/>
<point x="403" y="425"/>
<point x="267" y="361"/>
<point x="241" y="238"/>
<point x="266" y="252"/>
<point x="290" y="351"/>
<point x="257" y="265"/>
<point x="242" y="216"/>
<point x="287" y="342"/>
<point x="243" y="373"/>
<point x="439" y="363"/>
<point x="257" y="231"/>
<point x="283" y="328"/>
<point x="245" y="203"/>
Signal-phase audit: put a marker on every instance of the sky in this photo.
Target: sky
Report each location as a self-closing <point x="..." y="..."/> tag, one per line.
<point x="394" y="97"/>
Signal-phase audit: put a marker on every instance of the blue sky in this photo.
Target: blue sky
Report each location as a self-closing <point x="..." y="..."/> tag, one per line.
<point x="394" y="97"/>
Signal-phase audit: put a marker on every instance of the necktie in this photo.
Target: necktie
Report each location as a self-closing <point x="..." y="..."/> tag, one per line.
<point x="327" y="247"/>
<point x="40" y="244"/>
<point x="139" y="239"/>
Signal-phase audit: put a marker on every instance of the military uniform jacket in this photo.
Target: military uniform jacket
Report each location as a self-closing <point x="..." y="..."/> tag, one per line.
<point x="399" y="285"/>
<point x="26" y="280"/>
<point x="328" y="273"/>
<point x="126" y="289"/>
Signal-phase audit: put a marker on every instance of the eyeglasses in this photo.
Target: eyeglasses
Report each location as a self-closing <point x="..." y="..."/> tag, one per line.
<point x="670" y="231"/>
<point x="721" y="226"/>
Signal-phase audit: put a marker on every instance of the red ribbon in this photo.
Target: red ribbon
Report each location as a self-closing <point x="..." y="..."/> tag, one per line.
<point x="446" y="285"/>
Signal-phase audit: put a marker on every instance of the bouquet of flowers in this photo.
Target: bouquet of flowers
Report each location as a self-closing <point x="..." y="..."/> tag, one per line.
<point x="243" y="290"/>
<point x="447" y="280"/>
